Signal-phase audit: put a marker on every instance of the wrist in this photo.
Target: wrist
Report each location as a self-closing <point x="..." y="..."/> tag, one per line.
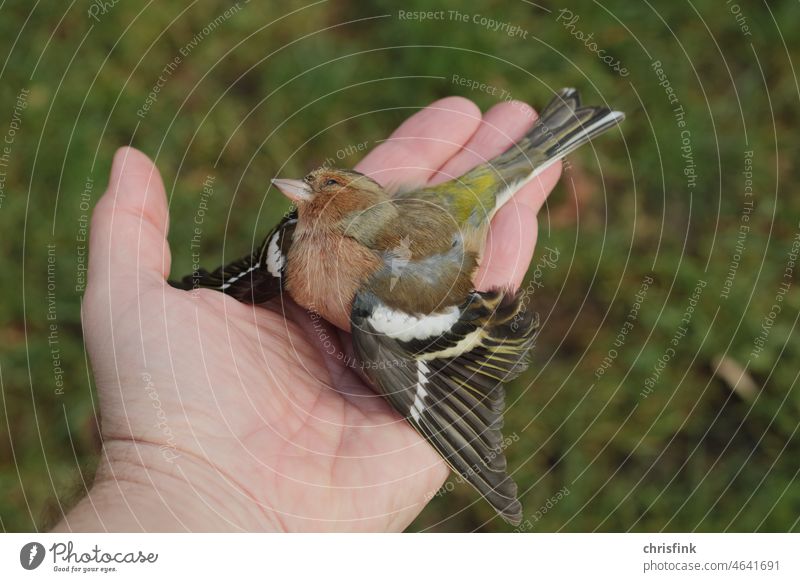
<point x="143" y="487"/>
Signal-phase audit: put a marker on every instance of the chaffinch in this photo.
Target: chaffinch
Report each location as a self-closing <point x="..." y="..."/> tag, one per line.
<point x="397" y="270"/>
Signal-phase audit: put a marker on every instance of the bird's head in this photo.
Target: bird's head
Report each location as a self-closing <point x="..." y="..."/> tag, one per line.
<point x="330" y="195"/>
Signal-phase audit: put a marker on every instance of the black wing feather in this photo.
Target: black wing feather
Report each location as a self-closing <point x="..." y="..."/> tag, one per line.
<point x="249" y="279"/>
<point x="449" y="387"/>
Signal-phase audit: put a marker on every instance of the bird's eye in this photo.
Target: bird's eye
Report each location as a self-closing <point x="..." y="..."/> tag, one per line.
<point x="331" y="182"/>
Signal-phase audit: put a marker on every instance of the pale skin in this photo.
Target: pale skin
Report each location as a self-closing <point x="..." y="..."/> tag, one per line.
<point x="221" y="416"/>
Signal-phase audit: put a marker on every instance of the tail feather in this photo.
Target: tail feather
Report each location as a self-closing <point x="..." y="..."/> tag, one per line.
<point x="563" y="126"/>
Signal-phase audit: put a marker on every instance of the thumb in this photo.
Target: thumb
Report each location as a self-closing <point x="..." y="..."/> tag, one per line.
<point x="128" y="251"/>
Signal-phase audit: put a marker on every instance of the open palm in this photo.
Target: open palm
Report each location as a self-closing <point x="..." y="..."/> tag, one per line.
<point x="219" y="415"/>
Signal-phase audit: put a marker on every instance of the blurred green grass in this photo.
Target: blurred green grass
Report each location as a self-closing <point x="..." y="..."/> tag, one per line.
<point x="257" y="96"/>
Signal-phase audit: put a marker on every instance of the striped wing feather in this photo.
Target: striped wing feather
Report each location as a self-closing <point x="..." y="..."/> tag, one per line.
<point x="450" y="387"/>
<point x="255" y="278"/>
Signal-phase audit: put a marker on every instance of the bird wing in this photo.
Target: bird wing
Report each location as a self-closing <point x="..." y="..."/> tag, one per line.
<point x="444" y="372"/>
<point x="255" y="278"/>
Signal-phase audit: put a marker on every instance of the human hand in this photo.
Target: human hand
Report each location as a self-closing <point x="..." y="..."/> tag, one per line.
<point x="218" y="415"/>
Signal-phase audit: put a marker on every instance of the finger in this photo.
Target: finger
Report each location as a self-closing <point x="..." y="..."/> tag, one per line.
<point x="501" y="126"/>
<point x="127" y="244"/>
<point x="423" y="143"/>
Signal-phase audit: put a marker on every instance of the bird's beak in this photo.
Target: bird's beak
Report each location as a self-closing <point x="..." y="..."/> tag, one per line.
<point x="295" y="190"/>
